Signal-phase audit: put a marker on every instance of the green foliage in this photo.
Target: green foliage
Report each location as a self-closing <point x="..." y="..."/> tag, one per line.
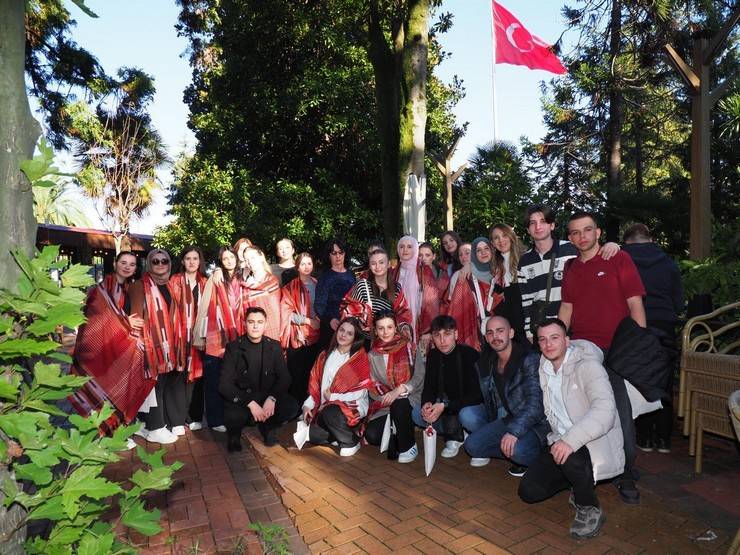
<point x="62" y="465"/>
<point x="274" y="538"/>
<point x="494" y="189"/>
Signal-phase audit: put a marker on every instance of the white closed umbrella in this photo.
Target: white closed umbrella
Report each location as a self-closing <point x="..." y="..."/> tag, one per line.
<point x="415" y="207"/>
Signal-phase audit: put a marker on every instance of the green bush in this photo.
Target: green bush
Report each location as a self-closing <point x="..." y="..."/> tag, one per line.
<point x="58" y="470"/>
<point x="718" y="278"/>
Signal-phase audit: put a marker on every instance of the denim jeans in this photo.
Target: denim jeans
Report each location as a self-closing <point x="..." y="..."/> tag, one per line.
<point x="486" y="442"/>
<point x="447" y="425"/>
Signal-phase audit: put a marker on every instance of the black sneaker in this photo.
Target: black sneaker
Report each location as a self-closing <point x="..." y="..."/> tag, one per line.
<point x="517" y="470"/>
<point x="587" y="523"/>
<point x="663" y="445"/>
<point x="628" y="491"/>
<point x="270" y="437"/>
<point x="234" y="444"/>
<point x="645" y="445"/>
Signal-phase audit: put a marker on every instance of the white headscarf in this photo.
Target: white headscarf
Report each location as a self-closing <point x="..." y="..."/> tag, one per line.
<point x="408" y="277"/>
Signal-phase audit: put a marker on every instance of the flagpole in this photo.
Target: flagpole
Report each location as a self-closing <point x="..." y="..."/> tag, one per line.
<point x="493" y="72"/>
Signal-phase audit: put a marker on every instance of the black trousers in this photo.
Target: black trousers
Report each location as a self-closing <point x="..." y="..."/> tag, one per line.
<point x="238" y="415"/>
<point x="172" y="402"/>
<point x="300" y="361"/>
<point x="545" y="478"/>
<point x="213" y="400"/>
<point x="331" y="425"/>
<point x="401" y="416"/>
<point x="196" y="404"/>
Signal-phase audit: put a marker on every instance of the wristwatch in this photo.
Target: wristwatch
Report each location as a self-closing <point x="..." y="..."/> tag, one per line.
<point x="270" y="397"/>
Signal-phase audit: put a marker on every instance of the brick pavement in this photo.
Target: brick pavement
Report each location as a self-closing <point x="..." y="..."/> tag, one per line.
<point x="368" y="504"/>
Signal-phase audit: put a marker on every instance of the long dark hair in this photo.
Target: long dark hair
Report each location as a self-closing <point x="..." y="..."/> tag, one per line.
<point x="453" y="259"/>
<point x="227" y="277"/>
<point x="357" y="343"/>
<point x="201" y="258"/>
<point x="435" y="262"/>
<point x="390" y="284"/>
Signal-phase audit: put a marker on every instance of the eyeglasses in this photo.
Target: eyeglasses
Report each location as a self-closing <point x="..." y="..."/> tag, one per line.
<point x="336" y="253"/>
<point x="160" y="262"/>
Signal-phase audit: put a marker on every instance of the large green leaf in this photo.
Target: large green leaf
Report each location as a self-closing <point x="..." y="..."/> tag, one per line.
<point x="134" y="515"/>
<point x="58" y="315"/>
<point x="85" y="481"/>
<point x="9" y="383"/>
<point x="44" y="457"/>
<point x="42" y="406"/>
<point x="77" y="276"/>
<point x="13" y="348"/>
<point x="85" y="448"/>
<point x="51" y="509"/>
<point x="156" y="479"/>
<point x="51" y="375"/>
<point x="39" y="475"/>
<point x="16" y="423"/>
<point x="95" y="544"/>
<point x="6" y="323"/>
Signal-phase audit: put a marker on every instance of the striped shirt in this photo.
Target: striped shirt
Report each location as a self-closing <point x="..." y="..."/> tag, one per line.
<point x="532" y="278"/>
<point x="363" y="292"/>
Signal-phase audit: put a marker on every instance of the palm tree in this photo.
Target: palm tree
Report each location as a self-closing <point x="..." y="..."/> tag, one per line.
<point x="57" y="205"/>
<point x="119" y="152"/>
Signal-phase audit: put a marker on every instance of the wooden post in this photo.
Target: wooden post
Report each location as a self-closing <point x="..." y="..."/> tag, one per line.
<point x="697" y="79"/>
<point x="444" y="165"/>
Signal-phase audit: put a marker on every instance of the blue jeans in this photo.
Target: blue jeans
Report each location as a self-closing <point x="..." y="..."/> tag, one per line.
<point x="473" y="417"/>
<point x="486" y="442"/>
<point x="447" y="426"/>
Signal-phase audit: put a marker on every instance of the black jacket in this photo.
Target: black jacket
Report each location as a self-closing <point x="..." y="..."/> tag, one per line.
<point x="662" y="281"/>
<point x="454" y="377"/>
<point x="522" y="391"/>
<point x="253" y="371"/>
<point x="637" y="356"/>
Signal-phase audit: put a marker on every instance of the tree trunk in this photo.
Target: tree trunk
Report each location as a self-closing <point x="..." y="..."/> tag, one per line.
<point x="614" y="146"/>
<point x="386" y="69"/>
<point x="18" y="135"/>
<point x="639" y="156"/>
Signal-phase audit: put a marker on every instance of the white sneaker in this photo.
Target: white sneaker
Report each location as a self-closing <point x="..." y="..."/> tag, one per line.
<point x="195" y="426"/>
<point x="479" y="461"/>
<point x="452" y="448"/>
<point x="220" y="428"/>
<point x="142" y="432"/>
<point x="161" y="435"/>
<point x="178" y="430"/>
<point x="130" y="444"/>
<point x="349" y="451"/>
<point x="408" y="456"/>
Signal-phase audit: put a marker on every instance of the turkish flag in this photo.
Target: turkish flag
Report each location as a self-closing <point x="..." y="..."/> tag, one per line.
<point x="517" y="46"/>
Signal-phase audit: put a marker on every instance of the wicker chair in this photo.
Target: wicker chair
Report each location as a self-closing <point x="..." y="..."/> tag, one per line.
<point x="734" y="406"/>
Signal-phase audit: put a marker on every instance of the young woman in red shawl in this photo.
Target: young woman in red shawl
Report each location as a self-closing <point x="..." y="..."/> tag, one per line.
<point x="507" y="250"/>
<point x="301" y="326"/>
<point x="187" y="290"/>
<point x="109" y="351"/>
<point x="152" y="299"/>
<point x="470" y="297"/>
<point x="451" y="243"/>
<point x="427" y="257"/>
<point x="337" y="390"/>
<point x="397" y="382"/>
<point x="262" y="289"/>
<point x="420" y="287"/>
<point x="220" y="320"/>
<point x="378" y="293"/>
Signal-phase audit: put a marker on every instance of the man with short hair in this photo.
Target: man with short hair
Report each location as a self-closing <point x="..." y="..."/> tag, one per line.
<point x="597" y="295"/>
<point x="535" y="264"/>
<point x="254" y="383"/>
<point x="450" y="384"/>
<point x="586" y="439"/>
<point x="663" y="303"/>
<point x="510" y="423"/>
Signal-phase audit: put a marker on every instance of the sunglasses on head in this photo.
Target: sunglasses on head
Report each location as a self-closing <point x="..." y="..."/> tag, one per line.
<point x="160" y="262"/>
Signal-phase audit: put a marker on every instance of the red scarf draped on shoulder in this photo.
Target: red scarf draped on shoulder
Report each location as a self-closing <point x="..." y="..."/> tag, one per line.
<point x="188" y="357"/>
<point x="220" y="318"/>
<point x="296" y="300"/>
<point x="110" y="353"/>
<point x="352" y="376"/>
<point x="462" y="305"/>
<point x="161" y="330"/>
<point x="432" y="291"/>
<point x="364" y="311"/>
<point x="267" y="296"/>
<point x="398" y="369"/>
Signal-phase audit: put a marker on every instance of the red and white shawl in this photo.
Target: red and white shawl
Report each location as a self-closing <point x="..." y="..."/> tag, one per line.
<point x="432" y="292"/>
<point x="398" y="368"/>
<point x="352" y="376"/>
<point x="266" y="295"/>
<point x="220" y="317"/>
<point x="161" y="330"/>
<point x="188" y="357"/>
<point x="358" y="302"/>
<point x="296" y="300"/>
<point x="468" y="302"/>
<point x="110" y="352"/>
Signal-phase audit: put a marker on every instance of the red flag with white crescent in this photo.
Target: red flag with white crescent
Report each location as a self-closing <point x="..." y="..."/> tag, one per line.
<point x="517" y="46"/>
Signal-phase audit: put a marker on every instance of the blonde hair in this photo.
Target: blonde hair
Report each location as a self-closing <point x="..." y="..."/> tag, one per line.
<point x="497" y="263"/>
<point x="258" y="250"/>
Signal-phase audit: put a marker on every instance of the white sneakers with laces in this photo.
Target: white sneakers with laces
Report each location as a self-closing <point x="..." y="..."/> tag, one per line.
<point x="452" y="448"/>
<point x="409" y="455"/>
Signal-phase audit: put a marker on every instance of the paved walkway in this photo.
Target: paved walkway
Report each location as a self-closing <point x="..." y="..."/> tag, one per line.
<point x="328" y="504"/>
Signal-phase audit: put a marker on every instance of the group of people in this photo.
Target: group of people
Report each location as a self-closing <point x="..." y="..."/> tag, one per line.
<point x="540" y="357"/>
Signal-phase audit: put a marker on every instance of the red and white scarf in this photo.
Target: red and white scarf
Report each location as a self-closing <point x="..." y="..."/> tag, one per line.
<point x="161" y="330"/>
<point x="352" y="376"/>
<point x="188" y="357"/>
<point x="296" y="300"/>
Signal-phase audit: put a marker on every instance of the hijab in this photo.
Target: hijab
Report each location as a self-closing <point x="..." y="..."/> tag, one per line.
<point x="481" y="270"/>
<point x="410" y="280"/>
<point x="152" y="254"/>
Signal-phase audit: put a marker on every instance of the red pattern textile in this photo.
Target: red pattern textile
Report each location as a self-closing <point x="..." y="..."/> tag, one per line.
<point x="188" y="357"/>
<point x="161" y="330"/>
<point x="109" y="352"/>
<point x="460" y="303"/>
<point x="352" y="376"/>
<point x="296" y="300"/>
<point x="364" y="313"/>
<point x="116" y="291"/>
<point x="397" y="370"/>
<point x="220" y="319"/>
<point x="266" y="295"/>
